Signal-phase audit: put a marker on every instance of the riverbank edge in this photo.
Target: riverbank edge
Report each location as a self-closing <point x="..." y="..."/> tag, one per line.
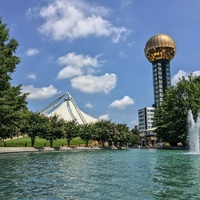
<point x="4" y="150"/>
<point x="41" y="149"/>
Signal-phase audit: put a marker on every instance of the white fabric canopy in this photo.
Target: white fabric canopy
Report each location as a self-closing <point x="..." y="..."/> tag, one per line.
<point x="68" y="111"/>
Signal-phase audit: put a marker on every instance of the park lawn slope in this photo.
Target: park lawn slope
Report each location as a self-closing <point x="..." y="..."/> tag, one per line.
<point x="26" y="142"/>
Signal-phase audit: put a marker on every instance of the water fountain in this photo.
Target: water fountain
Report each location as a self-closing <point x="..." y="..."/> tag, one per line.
<point x="193" y="133"/>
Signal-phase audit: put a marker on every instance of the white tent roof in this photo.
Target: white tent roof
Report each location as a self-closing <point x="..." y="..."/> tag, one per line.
<point x="68" y="110"/>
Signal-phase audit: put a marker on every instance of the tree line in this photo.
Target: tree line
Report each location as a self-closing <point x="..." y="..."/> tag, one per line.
<point x="54" y="127"/>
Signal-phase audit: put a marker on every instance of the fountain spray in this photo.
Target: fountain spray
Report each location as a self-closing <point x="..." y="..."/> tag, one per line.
<point x="193" y="133"/>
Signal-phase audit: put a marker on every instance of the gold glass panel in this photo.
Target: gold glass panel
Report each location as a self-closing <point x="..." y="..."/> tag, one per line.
<point x="160" y="46"/>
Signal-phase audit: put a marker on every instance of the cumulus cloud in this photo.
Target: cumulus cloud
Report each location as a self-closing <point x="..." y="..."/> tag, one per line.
<point x="32" y="52"/>
<point x="39" y="93"/>
<point x="95" y="84"/>
<point x="122" y="103"/>
<point x="31" y="76"/>
<point x="177" y="76"/>
<point x="78" y="60"/>
<point x="104" y="117"/>
<point x="182" y="73"/>
<point x="197" y="73"/>
<point x="80" y="69"/>
<point x="77" y="65"/>
<point x="88" y="105"/>
<point x="66" y="19"/>
<point x="69" y="72"/>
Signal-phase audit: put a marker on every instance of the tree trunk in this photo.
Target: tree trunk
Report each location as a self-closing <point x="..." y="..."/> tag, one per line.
<point x="86" y="143"/>
<point x="32" y="141"/>
<point x="68" y="142"/>
<point x="51" y="142"/>
<point x="110" y="143"/>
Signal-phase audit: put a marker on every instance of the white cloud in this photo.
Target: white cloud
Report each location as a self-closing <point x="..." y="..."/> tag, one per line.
<point x="31" y="76"/>
<point x="69" y="72"/>
<point x="77" y="65"/>
<point x="32" y="52"/>
<point x="88" y="105"/>
<point x="95" y="84"/>
<point x="78" y="61"/>
<point x="182" y="73"/>
<point x="176" y="77"/>
<point x="104" y="117"/>
<point x="33" y="12"/>
<point x="39" y="93"/>
<point x="122" y="103"/>
<point x="80" y="69"/>
<point x="197" y="73"/>
<point x="65" y="19"/>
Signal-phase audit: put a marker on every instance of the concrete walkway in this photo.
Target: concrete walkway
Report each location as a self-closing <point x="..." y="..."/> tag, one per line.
<point x="41" y="149"/>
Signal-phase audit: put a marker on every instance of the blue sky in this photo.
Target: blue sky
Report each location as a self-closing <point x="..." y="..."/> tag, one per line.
<point x="94" y="49"/>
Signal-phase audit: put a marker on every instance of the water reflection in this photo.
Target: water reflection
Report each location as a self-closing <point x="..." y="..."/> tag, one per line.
<point x="132" y="174"/>
<point x="177" y="175"/>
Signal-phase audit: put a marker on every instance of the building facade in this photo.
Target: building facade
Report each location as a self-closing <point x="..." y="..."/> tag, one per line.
<point x="146" y="120"/>
<point x="161" y="80"/>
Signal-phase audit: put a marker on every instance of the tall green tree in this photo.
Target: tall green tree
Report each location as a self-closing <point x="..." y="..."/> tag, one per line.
<point x="32" y="124"/>
<point x="87" y="132"/>
<point x="12" y="101"/>
<point x="104" y="130"/>
<point x="134" y="139"/>
<point x="124" y="134"/>
<point x="135" y="136"/>
<point x="171" y="116"/>
<point x="71" y="130"/>
<point x="54" y="128"/>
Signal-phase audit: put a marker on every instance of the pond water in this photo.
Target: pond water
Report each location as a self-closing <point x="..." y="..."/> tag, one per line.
<point x="100" y="174"/>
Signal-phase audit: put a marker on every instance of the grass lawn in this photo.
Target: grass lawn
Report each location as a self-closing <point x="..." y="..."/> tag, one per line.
<point x="40" y="142"/>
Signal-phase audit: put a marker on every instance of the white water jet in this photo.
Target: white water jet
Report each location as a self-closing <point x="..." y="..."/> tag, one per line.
<point x="193" y="133"/>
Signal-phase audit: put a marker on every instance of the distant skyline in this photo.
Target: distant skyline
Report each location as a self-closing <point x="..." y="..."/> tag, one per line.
<point x="95" y="51"/>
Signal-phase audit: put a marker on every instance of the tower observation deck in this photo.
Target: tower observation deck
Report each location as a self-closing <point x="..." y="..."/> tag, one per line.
<point x="160" y="50"/>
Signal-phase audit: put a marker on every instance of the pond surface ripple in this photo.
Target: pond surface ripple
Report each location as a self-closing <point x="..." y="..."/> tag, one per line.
<point x="102" y="174"/>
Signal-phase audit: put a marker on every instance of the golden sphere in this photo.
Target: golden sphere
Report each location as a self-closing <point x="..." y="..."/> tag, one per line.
<point x="160" y="47"/>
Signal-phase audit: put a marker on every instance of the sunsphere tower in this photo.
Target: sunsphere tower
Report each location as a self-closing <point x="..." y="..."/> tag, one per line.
<point x="159" y="50"/>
